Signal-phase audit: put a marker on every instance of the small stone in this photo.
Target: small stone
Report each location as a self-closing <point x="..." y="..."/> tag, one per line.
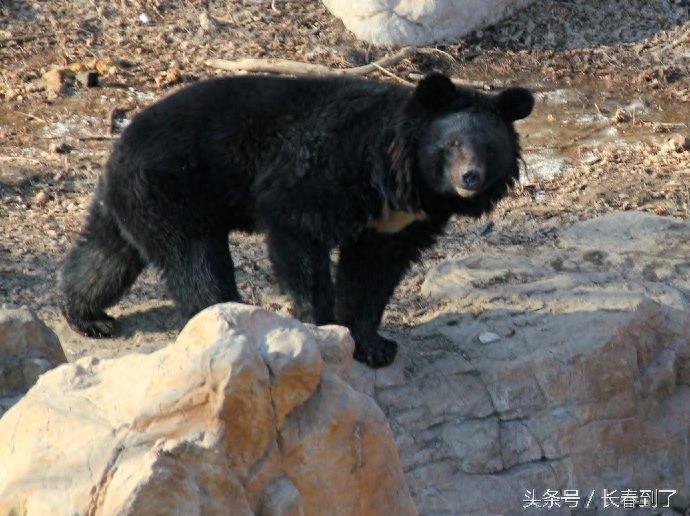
<point x="169" y="77"/>
<point x="541" y="196"/>
<point x="589" y="158"/>
<point x="207" y="24"/>
<point x="88" y="78"/>
<point x="118" y="120"/>
<point x="105" y="66"/>
<point x="78" y="67"/>
<point x="144" y="18"/>
<point x="678" y="142"/>
<point x="40" y="199"/>
<point x="621" y="116"/>
<point x="488" y="337"/>
<point x="55" y="82"/>
<point x="29" y="348"/>
<point x="488" y="228"/>
<point x="60" y="148"/>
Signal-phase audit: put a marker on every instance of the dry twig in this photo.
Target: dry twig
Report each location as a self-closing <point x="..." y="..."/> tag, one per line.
<point x="32" y="117"/>
<point x="391" y="74"/>
<point x="288" y="67"/>
<point x="285" y="66"/>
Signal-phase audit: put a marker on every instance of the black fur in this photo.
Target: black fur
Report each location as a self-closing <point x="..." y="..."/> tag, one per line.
<point x="308" y="161"/>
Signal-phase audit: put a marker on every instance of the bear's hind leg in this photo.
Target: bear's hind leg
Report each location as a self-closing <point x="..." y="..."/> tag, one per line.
<point x="199" y="273"/>
<point x="370" y="268"/>
<point x="97" y="271"/>
<point x="302" y="266"/>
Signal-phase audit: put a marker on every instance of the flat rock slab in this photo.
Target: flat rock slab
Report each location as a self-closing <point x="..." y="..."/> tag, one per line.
<point x="584" y="383"/>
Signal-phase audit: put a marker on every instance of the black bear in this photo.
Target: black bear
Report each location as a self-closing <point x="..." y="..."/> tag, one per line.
<point x="371" y="168"/>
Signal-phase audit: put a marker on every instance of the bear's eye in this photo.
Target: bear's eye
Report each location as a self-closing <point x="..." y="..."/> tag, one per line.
<point x="452" y="144"/>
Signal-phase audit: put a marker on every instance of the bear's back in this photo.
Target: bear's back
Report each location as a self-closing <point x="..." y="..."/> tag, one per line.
<point x="250" y="113"/>
<point x="257" y="99"/>
<point x="221" y="135"/>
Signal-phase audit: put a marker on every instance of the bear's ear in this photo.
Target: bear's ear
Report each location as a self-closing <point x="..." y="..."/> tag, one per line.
<point x="434" y="92"/>
<point x="515" y="103"/>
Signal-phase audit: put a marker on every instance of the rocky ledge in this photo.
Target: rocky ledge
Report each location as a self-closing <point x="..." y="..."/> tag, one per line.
<point x="564" y="366"/>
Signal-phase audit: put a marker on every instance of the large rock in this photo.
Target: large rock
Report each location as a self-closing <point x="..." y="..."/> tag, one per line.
<point x="418" y="22"/>
<point x="584" y="383"/>
<point x="28" y="348"/>
<point x="240" y="415"/>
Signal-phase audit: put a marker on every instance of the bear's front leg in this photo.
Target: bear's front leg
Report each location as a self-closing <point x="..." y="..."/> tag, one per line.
<point x="302" y="267"/>
<point x="370" y="268"/>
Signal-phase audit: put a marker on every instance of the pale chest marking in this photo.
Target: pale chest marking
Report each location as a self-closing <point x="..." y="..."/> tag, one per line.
<point x="393" y="221"/>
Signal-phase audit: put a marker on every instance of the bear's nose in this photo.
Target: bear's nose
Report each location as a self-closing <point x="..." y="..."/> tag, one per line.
<point x="471" y="179"/>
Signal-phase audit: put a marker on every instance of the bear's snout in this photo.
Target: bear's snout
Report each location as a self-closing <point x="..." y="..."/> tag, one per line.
<point x="468" y="175"/>
<point x="466" y="167"/>
<point x="471" y="180"/>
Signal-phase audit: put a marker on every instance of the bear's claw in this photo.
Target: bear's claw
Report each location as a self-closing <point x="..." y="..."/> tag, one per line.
<point x="376" y="352"/>
<point x="96" y="327"/>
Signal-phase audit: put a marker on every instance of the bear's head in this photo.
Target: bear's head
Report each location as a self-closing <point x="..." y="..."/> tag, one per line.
<point x="467" y="147"/>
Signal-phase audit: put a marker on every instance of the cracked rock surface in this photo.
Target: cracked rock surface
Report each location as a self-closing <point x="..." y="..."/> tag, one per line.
<point x="587" y="387"/>
<point x="247" y="412"/>
<point x="418" y="22"/>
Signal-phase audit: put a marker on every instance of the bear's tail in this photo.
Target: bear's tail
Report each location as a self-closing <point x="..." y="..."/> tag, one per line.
<point x="101" y="266"/>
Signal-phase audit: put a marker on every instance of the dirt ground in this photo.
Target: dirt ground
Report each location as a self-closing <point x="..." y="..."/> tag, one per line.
<point x="613" y="80"/>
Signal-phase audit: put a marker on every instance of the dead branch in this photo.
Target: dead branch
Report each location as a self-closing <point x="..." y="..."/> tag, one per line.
<point x="288" y="67"/>
<point x="32" y="117"/>
<point x="281" y="66"/>
<point x="392" y="75"/>
<point x="285" y="66"/>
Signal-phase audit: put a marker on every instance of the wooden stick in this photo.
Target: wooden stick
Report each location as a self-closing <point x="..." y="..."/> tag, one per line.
<point x="32" y="117"/>
<point x="281" y="66"/>
<point x="285" y="66"/>
<point x="392" y="75"/>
